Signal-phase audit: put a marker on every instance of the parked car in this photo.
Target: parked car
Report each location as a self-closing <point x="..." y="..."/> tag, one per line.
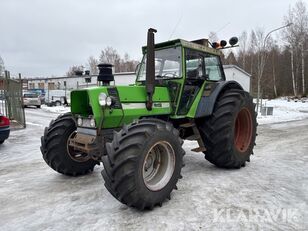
<point x="31" y="99"/>
<point x="4" y="128"/>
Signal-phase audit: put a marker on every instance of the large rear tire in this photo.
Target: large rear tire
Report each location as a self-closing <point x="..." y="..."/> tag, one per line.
<point x="54" y="147"/>
<point x="143" y="163"/>
<point x="229" y="133"/>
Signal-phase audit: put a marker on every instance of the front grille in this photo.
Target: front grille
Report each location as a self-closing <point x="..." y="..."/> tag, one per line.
<point x="112" y="91"/>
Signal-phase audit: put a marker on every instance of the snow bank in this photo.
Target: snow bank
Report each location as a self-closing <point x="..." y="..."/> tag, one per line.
<point x="56" y="109"/>
<point x="284" y="110"/>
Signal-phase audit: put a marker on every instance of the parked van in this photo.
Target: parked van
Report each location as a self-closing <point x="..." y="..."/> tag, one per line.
<point x="57" y="97"/>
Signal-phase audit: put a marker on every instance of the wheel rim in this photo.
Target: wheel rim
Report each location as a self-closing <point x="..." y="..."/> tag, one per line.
<point x="75" y="155"/>
<point x="243" y="130"/>
<point x="158" y="166"/>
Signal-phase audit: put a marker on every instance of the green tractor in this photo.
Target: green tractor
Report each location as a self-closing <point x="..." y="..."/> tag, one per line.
<point x="137" y="131"/>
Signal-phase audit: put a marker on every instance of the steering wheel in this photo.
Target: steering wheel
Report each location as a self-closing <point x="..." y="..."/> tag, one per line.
<point x="169" y="75"/>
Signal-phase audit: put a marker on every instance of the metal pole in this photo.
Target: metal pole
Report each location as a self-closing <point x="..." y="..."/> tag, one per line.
<point x="22" y="102"/>
<point x="263" y="59"/>
<point x="8" y="92"/>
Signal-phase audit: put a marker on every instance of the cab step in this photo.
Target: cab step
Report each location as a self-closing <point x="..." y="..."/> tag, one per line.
<point x="199" y="149"/>
<point x="193" y="137"/>
<point x="196" y="136"/>
<point x="188" y="125"/>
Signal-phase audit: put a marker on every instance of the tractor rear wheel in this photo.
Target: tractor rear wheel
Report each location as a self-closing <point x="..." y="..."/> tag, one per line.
<point x="143" y="163"/>
<point x="229" y="133"/>
<point x="56" y="152"/>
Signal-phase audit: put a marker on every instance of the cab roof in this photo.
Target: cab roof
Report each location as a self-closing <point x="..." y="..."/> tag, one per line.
<point x="200" y="45"/>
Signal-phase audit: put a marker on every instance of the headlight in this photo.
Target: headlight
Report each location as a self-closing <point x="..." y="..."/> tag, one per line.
<point x="102" y="99"/>
<point x="108" y="101"/>
<point x="79" y="121"/>
<point x="86" y="122"/>
<point x="92" y="122"/>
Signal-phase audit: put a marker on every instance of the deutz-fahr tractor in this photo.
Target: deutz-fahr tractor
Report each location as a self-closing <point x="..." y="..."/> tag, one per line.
<point x="137" y="131"/>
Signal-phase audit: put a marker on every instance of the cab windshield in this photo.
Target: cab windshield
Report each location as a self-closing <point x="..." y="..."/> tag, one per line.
<point x="167" y="64"/>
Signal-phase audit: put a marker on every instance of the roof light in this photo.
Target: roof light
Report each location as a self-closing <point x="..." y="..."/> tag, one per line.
<point x="233" y="41"/>
<point x="223" y="43"/>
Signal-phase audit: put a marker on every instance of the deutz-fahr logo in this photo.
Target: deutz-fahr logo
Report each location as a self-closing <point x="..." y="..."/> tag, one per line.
<point x="157" y="105"/>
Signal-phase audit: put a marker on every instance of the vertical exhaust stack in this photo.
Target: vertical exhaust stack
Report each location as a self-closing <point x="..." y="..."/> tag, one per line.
<point x="150" y="68"/>
<point x="105" y="74"/>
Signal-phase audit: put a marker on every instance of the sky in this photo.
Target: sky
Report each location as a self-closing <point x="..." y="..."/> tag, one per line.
<point x="41" y="38"/>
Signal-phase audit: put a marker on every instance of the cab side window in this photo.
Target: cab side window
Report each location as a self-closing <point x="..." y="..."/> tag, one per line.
<point x="194" y="65"/>
<point x="203" y="66"/>
<point x="212" y="68"/>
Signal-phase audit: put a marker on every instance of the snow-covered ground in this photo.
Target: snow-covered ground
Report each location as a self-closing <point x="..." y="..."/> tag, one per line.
<point x="270" y="193"/>
<point x="284" y="110"/>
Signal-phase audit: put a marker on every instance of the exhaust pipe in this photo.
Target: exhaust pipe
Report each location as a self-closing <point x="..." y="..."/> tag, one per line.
<point x="150" y="69"/>
<point x="105" y="74"/>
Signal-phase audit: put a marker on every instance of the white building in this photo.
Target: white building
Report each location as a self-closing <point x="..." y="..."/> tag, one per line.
<point x="232" y="72"/>
<point x="236" y="73"/>
<point x="75" y="82"/>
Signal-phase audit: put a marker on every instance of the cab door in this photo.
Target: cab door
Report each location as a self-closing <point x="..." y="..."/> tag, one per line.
<point x="199" y="67"/>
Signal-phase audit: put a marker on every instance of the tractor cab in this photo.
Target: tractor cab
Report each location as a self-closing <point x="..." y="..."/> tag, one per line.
<point x="184" y="68"/>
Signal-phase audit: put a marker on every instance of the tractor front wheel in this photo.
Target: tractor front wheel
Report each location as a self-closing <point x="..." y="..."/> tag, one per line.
<point x="229" y="133"/>
<point x="143" y="163"/>
<point x="56" y="152"/>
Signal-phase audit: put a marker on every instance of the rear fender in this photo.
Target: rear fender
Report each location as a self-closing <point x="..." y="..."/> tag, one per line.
<point x="212" y="90"/>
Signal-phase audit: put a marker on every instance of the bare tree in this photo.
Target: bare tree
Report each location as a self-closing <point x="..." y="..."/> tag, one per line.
<point x="260" y="46"/>
<point x="108" y="55"/>
<point x="92" y="65"/>
<point x="213" y="37"/>
<point x="2" y="68"/>
<point x="274" y="55"/>
<point x="73" y="69"/>
<point x="296" y="35"/>
<point x="263" y="43"/>
<point x="243" y="49"/>
<point x="252" y="49"/>
<point x="111" y="56"/>
<point x="231" y="59"/>
<point x="294" y="82"/>
<point x="285" y="72"/>
<point x="301" y="26"/>
<point x="303" y="68"/>
<point x="127" y="64"/>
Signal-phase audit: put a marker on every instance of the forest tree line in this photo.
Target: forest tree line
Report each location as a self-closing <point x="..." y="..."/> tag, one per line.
<point x="285" y="63"/>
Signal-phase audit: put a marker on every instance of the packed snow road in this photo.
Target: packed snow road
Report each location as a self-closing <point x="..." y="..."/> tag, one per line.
<point x="271" y="192"/>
